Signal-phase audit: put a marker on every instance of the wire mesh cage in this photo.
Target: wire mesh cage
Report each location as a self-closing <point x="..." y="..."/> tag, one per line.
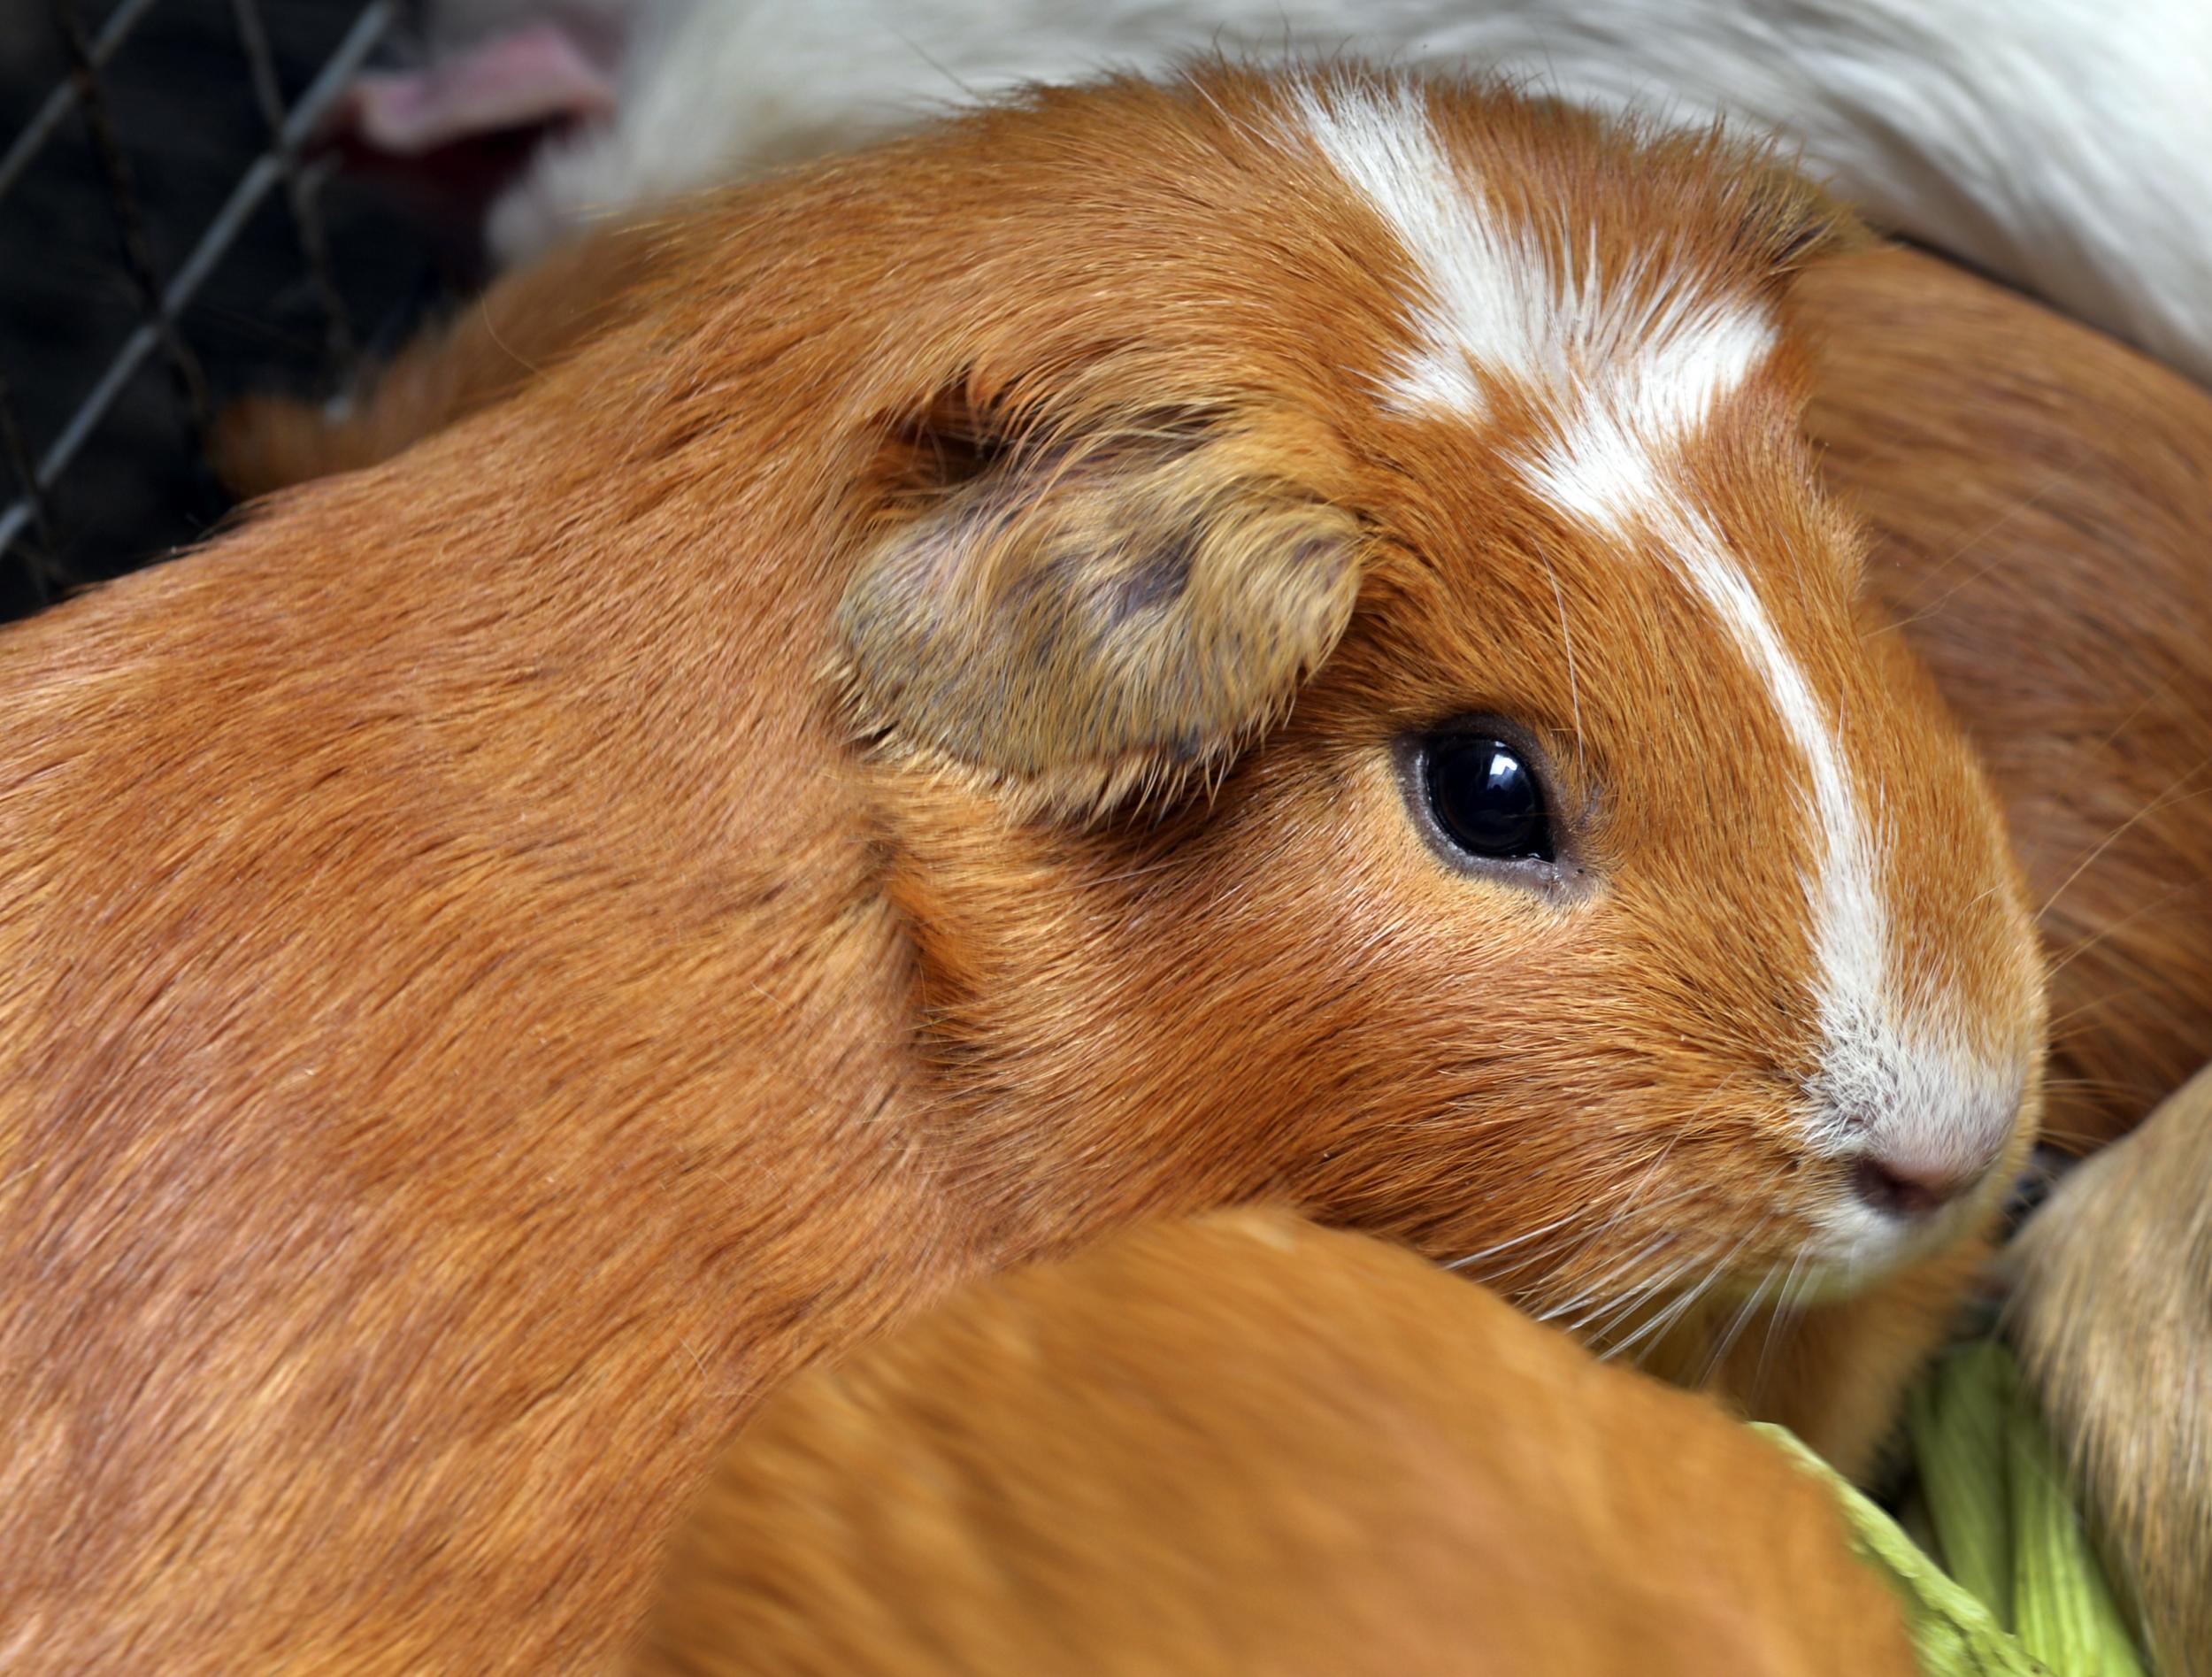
<point x="168" y="238"/>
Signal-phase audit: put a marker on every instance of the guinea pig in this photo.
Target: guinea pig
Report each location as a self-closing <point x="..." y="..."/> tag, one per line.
<point x="1244" y="1443"/>
<point x="2052" y="144"/>
<point x="2112" y="1309"/>
<point x="1153" y="647"/>
<point x="2040" y="500"/>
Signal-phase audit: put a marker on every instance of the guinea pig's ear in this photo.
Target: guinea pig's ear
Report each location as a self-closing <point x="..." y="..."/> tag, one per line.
<point x="1083" y="614"/>
<point x="1786" y="220"/>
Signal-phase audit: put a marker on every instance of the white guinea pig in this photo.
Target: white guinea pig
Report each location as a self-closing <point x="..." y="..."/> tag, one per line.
<point x="2056" y="143"/>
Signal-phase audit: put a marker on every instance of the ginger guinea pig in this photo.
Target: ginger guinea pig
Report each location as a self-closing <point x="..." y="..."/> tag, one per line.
<point x="2039" y="498"/>
<point x="1244" y="1444"/>
<point x="1155" y="647"/>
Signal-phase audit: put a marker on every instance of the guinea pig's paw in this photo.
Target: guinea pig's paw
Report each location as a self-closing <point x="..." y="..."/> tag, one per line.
<point x="1085" y="619"/>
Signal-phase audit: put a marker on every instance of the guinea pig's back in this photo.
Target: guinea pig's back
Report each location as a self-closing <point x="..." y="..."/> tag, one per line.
<point x="1246" y="1444"/>
<point x="486" y="350"/>
<point x="344" y="866"/>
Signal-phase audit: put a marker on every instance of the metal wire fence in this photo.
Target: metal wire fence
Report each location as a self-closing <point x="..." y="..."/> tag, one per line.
<point x="166" y="239"/>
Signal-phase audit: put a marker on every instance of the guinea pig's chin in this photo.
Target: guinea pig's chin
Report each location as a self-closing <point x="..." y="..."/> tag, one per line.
<point x="1851" y="1246"/>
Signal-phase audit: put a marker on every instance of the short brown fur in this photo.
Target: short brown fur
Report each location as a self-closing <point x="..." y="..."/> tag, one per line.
<point x="1248" y="1445"/>
<point x="491" y="347"/>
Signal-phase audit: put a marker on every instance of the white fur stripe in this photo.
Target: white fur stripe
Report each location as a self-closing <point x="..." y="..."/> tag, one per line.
<point x="1896" y="1076"/>
<point x="1489" y="302"/>
<point x="1493" y="307"/>
<point x="1595" y="474"/>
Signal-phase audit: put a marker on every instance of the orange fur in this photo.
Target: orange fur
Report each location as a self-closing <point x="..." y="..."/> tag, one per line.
<point x="477" y="1023"/>
<point x="1247" y="1445"/>
<point x="492" y="346"/>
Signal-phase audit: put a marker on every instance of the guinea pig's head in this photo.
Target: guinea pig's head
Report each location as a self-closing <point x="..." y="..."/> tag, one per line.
<point x="1369" y="702"/>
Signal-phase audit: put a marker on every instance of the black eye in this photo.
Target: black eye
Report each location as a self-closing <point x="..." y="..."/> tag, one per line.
<point x="1486" y="798"/>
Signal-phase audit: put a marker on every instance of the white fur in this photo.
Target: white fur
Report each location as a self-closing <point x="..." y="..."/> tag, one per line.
<point x="2060" y="144"/>
<point x="1495" y="310"/>
<point x="1488" y="299"/>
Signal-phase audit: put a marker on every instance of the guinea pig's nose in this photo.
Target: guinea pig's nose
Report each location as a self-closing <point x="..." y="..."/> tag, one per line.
<point x="1906" y="1190"/>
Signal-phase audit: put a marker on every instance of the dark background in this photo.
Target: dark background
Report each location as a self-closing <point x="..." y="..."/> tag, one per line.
<point x="180" y="100"/>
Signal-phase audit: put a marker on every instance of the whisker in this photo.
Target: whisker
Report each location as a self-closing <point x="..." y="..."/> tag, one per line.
<point x="1601" y="1338"/>
<point x="2086" y="1139"/>
<point x="2103" y="1085"/>
<point x="1628" y="1201"/>
<point x="2101" y="1000"/>
<point x="1662" y="1323"/>
<point x="1968" y="545"/>
<point x="2158" y="901"/>
<point x="1610" y="1313"/>
<point x="1552" y="1251"/>
<point x="1507" y="1245"/>
<point x="1597" y="1288"/>
<point x="1774" y="1323"/>
<point x="1742" y="1318"/>
<point x="1682" y="1307"/>
<point x="1574" y="691"/>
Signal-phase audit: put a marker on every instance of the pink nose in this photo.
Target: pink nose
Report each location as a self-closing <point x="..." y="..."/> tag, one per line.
<point x="1904" y="1190"/>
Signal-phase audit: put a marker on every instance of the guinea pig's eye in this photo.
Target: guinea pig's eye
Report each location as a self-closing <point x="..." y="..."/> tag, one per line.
<point x="1485" y="798"/>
